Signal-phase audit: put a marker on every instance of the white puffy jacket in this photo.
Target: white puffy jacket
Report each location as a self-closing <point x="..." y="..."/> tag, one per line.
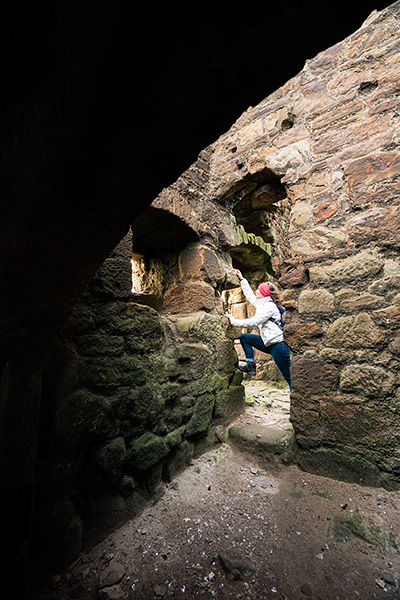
<point x="266" y="318"/>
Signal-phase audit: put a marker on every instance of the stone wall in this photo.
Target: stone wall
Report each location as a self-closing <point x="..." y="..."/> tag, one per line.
<point x="331" y="134"/>
<point x="130" y="396"/>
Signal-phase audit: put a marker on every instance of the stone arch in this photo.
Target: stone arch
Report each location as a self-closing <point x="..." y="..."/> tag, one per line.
<point x="158" y="230"/>
<point x="158" y="235"/>
<point x="260" y="207"/>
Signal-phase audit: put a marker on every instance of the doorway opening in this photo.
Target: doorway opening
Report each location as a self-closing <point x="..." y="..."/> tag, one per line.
<point x="260" y="210"/>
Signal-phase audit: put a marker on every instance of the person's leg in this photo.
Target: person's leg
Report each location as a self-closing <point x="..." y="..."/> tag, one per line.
<point x="249" y="341"/>
<point x="281" y="354"/>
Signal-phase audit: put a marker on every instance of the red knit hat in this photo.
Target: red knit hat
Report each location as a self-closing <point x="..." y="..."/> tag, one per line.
<point x="264" y="289"/>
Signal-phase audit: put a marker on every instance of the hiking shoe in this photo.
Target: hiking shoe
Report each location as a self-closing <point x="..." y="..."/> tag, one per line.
<point x="249" y="367"/>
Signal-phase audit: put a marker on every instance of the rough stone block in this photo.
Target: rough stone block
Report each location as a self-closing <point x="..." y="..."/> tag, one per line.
<point x="307" y="426"/>
<point x="101" y="345"/>
<point x="385" y="285"/>
<point x="388" y="317"/>
<point x="354" y="331"/>
<point x="367" y="380"/>
<point x="301" y="215"/>
<point x="394" y="346"/>
<point x="318" y="240"/>
<point x="179" y="458"/>
<point x="270" y="442"/>
<point x="239" y="311"/>
<point x="229" y="403"/>
<point x="340" y="464"/>
<point x="374" y="224"/>
<point x="107" y="461"/>
<point x="297" y="334"/>
<point x="146" y="451"/>
<point x="226" y="356"/>
<point x="145" y="403"/>
<point x="108" y="373"/>
<point x="294" y="278"/>
<point x="190" y="297"/>
<point x="336" y="355"/>
<point x="201" y="326"/>
<point x="315" y="301"/>
<point x="83" y="416"/>
<point x="114" y="278"/>
<point x="324" y="207"/>
<point x="201" y="262"/>
<point x="359" y="266"/>
<point x="313" y="376"/>
<point x="362" y="301"/>
<point x="201" y="416"/>
<point x="234" y="296"/>
<point x="365" y="174"/>
<point x="195" y="360"/>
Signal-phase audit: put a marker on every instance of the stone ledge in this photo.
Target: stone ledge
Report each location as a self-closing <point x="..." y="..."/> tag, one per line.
<point x="270" y="442"/>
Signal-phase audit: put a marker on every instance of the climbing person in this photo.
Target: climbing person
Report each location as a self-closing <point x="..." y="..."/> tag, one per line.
<point x="268" y="319"/>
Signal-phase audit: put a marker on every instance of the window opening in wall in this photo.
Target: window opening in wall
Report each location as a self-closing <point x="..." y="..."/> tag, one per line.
<point x="157" y="238"/>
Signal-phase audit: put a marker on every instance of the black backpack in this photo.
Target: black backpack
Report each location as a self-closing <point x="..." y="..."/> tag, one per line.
<point x="281" y="322"/>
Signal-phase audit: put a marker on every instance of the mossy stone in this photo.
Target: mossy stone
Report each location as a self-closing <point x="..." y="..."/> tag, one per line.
<point x="174" y="438"/>
<point x="106" y="374"/>
<point x="82" y="417"/>
<point x="350" y="525"/>
<point x="229" y="403"/>
<point x="209" y="384"/>
<point x="145" y="404"/>
<point x="146" y="451"/>
<point x="103" y="465"/>
<point x="101" y="345"/>
<point x="201" y="326"/>
<point x="201" y="417"/>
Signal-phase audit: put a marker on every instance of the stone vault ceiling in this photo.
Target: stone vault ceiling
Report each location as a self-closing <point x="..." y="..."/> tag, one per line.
<point x="102" y="106"/>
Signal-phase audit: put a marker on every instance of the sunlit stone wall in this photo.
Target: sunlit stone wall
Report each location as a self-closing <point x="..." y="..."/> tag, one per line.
<point x="332" y="134"/>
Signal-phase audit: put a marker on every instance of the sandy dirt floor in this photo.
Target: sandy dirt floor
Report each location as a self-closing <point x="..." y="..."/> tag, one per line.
<point x="230" y="527"/>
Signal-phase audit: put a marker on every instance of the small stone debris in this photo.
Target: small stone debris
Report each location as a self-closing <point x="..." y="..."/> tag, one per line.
<point x="159" y="590"/>
<point x="235" y="567"/>
<point x="111" y="575"/>
<point x="390" y="578"/>
<point x="114" y="592"/>
<point x="380" y="584"/>
<point x="306" y="589"/>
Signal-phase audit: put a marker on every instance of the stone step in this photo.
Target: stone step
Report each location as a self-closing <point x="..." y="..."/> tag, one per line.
<point x="271" y="443"/>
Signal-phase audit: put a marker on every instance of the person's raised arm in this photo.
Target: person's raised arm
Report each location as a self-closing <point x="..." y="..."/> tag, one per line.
<point x="238" y="274"/>
<point x="246" y="289"/>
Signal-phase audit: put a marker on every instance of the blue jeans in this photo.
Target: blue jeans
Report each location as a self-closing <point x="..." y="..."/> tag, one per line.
<point x="280" y="352"/>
